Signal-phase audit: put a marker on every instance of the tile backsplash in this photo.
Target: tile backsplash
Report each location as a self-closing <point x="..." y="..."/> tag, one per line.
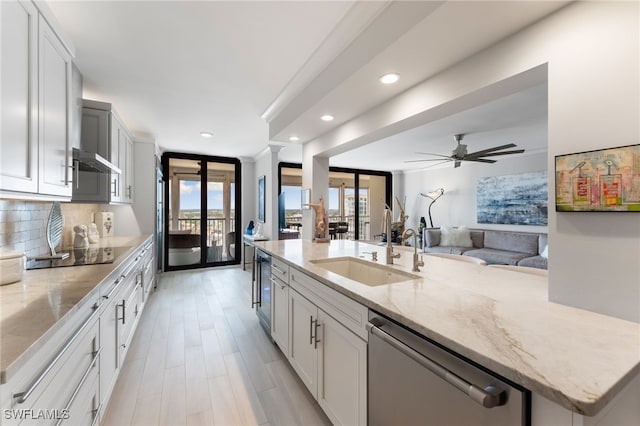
<point x="23" y="224"/>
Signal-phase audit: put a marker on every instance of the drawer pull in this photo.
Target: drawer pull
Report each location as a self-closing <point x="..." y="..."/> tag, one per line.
<point x="115" y="286"/>
<point x="21" y="397"/>
<point x="278" y="269"/>
<point x="84" y="379"/>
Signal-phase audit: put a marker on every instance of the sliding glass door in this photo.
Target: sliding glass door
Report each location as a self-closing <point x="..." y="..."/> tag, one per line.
<point x="200" y="214"/>
<point x="350" y="217"/>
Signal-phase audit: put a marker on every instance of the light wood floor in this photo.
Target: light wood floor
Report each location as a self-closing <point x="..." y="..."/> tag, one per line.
<point x="199" y="357"/>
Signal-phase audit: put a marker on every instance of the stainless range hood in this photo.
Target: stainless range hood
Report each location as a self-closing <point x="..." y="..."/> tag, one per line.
<point x="93" y="162"/>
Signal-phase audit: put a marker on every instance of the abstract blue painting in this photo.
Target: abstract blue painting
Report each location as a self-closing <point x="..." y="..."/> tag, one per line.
<point x="519" y="199"/>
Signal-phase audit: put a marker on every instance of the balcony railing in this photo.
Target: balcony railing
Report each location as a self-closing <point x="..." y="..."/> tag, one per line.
<point x="295" y="221"/>
<point x="215" y="229"/>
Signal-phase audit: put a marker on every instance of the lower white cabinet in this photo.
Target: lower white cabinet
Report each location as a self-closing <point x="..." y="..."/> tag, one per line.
<point x="59" y="384"/>
<point x="280" y="314"/>
<point x="303" y="354"/>
<point x="342" y="373"/>
<point x="121" y="310"/>
<point x="108" y="336"/>
<point x="330" y="360"/>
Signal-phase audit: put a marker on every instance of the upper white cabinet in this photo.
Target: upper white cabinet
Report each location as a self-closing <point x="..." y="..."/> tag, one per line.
<point x="54" y="113"/>
<point x="104" y="133"/>
<point x="18" y="142"/>
<point x="36" y="104"/>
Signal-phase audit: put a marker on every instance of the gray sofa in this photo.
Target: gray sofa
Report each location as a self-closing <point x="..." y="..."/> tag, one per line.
<point x="498" y="247"/>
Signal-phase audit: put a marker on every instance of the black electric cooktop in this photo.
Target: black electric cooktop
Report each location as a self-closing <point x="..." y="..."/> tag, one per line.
<point x="77" y="257"/>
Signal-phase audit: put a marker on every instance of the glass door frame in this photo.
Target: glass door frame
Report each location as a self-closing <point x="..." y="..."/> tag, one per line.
<point x="356" y="172"/>
<point x="204" y="160"/>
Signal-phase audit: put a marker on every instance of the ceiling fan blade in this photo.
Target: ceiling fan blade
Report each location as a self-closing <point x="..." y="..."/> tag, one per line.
<point x="445" y="159"/>
<point x="495" y="148"/>
<point x="436" y="164"/>
<point x="493" y="154"/>
<point x="435" y="155"/>
<point x="480" y="160"/>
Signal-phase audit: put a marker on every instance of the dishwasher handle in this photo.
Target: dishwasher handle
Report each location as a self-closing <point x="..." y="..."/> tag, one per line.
<point x="488" y="397"/>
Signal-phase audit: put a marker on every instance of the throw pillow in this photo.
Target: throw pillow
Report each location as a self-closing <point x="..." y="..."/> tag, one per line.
<point x="460" y="237"/>
<point x="545" y="252"/>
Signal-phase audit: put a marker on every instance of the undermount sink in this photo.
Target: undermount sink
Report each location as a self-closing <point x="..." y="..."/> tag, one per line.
<point x="363" y="271"/>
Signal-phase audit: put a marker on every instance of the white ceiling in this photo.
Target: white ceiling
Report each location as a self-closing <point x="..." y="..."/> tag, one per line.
<point x="175" y="68"/>
<point x="520" y="118"/>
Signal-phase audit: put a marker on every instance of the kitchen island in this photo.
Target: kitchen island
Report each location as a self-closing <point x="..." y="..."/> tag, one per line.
<point x="500" y="319"/>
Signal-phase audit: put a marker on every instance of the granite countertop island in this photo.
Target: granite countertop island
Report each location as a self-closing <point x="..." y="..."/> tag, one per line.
<point x="499" y="318"/>
<point x="38" y="305"/>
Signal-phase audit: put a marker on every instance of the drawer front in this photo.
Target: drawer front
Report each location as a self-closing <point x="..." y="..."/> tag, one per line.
<point x="348" y="312"/>
<point x="64" y="377"/>
<point x="280" y="270"/>
<point x="128" y="314"/>
<point x="85" y="408"/>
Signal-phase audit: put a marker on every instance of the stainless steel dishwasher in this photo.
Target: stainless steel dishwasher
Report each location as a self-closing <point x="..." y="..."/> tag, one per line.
<point x="413" y="381"/>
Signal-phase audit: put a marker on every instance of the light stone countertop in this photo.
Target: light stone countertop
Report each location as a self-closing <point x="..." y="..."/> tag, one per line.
<point x="33" y="309"/>
<point x="499" y="318"/>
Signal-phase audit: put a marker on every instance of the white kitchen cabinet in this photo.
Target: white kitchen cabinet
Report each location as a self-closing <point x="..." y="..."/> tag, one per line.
<point x="109" y="358"/>
<point x="303" y="355"/>
<point x="18" y="140"/>
<point x="59" y="378"/>
<point x="116" y="156"/>
<point x="35" y="151"/>
<point x="127" y="164"/>
<point x="280" y="304"/>
<point x="342" y="373"/>
<point x="54" y="112"/>
<point x="280" y="315"/>
<point x="118" y="318"/>
<point x="329" y="358"/>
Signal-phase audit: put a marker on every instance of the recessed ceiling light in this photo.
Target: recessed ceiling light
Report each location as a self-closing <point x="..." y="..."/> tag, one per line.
<point x="206" y="134"/>
<point x="327" y="117"/>
<point x="294" y="138"/>
<point x="389" y="78"/>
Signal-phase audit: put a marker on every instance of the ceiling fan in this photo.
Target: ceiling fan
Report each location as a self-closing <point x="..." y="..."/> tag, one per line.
<point x="460" y="154"/>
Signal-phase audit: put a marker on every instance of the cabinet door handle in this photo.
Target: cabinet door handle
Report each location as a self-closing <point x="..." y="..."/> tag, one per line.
<point x="316" y="340"/>
<point x="123" y="310"/>
<point x="311" y="328"/>
<point x="21" y="397"/>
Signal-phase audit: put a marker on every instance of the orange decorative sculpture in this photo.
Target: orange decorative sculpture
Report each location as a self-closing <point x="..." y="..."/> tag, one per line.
<point x="322" y="224"/>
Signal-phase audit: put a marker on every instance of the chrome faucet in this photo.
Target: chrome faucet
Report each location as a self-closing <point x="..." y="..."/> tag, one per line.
<point x="416" y="262"/>
<point x="387" y="224"/>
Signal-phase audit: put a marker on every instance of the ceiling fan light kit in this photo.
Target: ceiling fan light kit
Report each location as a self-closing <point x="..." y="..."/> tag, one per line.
<point x="460" y="153"/>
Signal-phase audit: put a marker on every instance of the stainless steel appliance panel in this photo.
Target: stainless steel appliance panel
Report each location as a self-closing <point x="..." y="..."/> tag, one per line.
<point x="412" y="381"/>
<point x="262" y="291"/>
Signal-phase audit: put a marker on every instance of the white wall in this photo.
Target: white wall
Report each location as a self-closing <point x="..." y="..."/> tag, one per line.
<point x="458" y="204"/>
<point x="249" y="192"/>
<point x="267" y="165"/>
<point x="144" y="186"/>
<point x="590" y="52"/>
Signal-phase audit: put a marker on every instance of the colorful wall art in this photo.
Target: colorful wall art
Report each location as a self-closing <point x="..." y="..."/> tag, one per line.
<point x="519" y="199"/>
<point x="603" y="180"/>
